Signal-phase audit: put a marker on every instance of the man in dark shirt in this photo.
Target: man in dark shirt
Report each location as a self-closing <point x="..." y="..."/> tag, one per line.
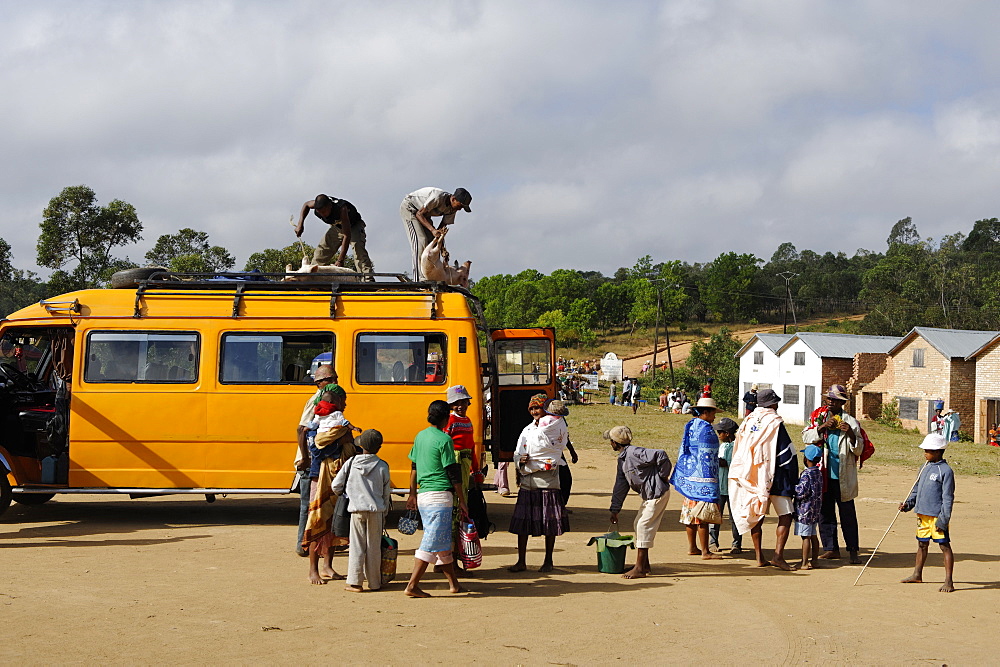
<point x="346" y="229"/>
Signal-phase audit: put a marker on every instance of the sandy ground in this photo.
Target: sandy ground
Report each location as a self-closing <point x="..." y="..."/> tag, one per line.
<point x="89" y="579"/>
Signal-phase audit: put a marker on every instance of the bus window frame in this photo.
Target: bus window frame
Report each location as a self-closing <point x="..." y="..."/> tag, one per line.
<point x="307" y="378"/>
<point x="169" y="332"/>
<point x="425" y="334"/>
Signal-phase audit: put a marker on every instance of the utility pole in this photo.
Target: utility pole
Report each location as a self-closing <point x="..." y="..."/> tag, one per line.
<point x="666" y="331"/>
<point x="788" y="275"/>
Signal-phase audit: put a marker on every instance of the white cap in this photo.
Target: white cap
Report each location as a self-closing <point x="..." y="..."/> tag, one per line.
<point x="933" y="441"/>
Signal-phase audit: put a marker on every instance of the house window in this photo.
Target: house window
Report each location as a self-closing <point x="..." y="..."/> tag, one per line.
<point x="909" y="408"/>
<point x="800" y="358"/>
<point x="791" y="393"/>
<point x="758" y="358"/>
<point x="918" y="359"/>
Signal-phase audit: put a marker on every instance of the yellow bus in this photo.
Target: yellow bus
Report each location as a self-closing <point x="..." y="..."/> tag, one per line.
<point x="195" y="384"/>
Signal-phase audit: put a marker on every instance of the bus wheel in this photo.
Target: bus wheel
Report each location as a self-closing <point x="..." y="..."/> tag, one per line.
<point x="209" y="497"/>
<point x="33" y="498"/>
<point x="5" y="492"/>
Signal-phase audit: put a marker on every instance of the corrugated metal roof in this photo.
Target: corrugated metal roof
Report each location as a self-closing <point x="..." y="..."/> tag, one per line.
<point x="773" y="342"/>
<point x="951" y="343"/>
<point x="842" y="346"/>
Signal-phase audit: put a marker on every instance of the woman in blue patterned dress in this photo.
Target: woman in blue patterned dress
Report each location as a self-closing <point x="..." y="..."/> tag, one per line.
<point x="696" y="477"/>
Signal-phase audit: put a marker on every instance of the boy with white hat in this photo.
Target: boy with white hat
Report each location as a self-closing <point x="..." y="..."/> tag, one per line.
<point x="932" y="498"/>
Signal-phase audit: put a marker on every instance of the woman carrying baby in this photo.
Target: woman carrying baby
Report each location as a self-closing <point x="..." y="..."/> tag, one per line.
<point x="539" y="510"/>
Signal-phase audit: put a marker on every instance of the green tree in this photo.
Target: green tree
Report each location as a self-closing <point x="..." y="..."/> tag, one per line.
<point x="74" y="227"/>
<point x="189" y="251"/>
<point x="726" y="287"/>
<point x="17" y="288"/>
<point x="717" y="359"/>
<point x="904" y="232"/>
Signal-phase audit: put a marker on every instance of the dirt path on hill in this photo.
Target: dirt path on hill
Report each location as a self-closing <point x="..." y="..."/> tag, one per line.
<point x="632" y="366"/>
<point x="99" y="580"/>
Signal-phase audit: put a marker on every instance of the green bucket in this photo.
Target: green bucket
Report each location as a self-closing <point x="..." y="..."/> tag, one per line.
<point x="611" y="548"/>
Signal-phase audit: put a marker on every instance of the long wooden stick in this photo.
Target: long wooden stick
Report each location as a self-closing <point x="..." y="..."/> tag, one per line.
<point x="898" y="511"/>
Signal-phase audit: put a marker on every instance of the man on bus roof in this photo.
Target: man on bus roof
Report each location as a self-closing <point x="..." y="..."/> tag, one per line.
<point x="347" y="228"/>
<point x="419" y="207"/>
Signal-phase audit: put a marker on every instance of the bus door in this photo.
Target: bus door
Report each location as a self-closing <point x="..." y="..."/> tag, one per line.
<point x="525" y="366"/>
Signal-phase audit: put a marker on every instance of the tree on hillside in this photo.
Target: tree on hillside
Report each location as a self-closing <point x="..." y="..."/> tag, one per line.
<point x="717" y="359"/>
<point x="904" y="232"/>
<point x="17" y="288"/>
<point x="726" y="287"/>
<point x="74" y="227"/>
<point x="189" y="251"/>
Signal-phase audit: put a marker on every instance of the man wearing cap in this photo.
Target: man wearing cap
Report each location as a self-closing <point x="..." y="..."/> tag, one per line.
<point x="762" y="476"/>
<point x="419" y="207"/>
<point x="346" y="229"/>
<point x="647" y="472"/>
<point x="750" y="399"/>
<point x="323" y="376"/>
<point x="839" y="435"/>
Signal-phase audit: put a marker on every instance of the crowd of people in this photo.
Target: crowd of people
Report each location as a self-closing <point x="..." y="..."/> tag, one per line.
<point x="750" y="469"/>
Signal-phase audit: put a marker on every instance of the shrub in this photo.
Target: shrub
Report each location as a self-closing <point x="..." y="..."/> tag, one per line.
<point x="890" y="415"/>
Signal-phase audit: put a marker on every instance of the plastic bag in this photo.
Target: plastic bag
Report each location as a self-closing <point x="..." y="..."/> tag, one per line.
<point x="470" y="550"/>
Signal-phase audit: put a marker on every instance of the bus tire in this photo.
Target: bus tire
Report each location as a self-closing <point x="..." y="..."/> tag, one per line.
<point x="130" y="278"/>
<point x="5" y="491"/>
<point x="33" y="498"/>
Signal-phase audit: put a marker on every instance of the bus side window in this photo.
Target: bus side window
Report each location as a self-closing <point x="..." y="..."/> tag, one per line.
<point x="273" y="358"/>
<point x="401" y="358"/>
<point x="141" y="357"/>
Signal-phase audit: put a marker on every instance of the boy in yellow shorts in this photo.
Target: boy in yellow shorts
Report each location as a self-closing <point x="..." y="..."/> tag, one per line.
<point x="932" y="497"/>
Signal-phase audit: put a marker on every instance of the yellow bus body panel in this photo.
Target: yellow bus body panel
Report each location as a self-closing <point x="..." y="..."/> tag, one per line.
<point x="243" y="436"/>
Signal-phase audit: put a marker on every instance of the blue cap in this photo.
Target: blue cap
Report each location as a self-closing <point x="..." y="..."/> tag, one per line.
<point x="813" y="453"/>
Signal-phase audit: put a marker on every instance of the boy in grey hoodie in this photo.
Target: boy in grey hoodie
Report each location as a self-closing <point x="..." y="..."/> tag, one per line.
<point x="365" y="479"/>
<point x="932" y="497"/>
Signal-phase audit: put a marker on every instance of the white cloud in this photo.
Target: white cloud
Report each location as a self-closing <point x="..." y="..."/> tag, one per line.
<point x="587" y="137"/>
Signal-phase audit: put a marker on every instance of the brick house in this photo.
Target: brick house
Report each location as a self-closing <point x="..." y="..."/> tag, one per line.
<point x="987" y="392"/>
<point x="926" y="366"/>
<point x="809" y="362"/>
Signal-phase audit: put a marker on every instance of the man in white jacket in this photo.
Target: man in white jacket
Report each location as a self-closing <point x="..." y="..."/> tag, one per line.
<point x="839" y="435"/>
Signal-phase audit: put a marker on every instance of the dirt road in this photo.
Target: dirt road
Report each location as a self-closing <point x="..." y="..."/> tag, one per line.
<point x="632" y="367"/>
<point x="167" y="580"/>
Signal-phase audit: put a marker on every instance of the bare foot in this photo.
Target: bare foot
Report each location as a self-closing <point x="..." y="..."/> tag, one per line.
<point x="546" y="567"/>
<point x="315" y="579"/>
<point x="456" y="589"/>
<point x="416" y="592"/>
<point x="517" y="567"/>
<point x="693" y="552"/>
<point x="797" y="566"/>
<point x="947" y="587"/>
<point x="830" y="555"/>
<point x="634" y="573"/>
<point x="781" y="564"/>
<point x="353" y="589"/>
<point x="913" y="579"/>
<point x="710" y="556"/>
<point x="808" y="566"/>
<point x="763" y="563"/>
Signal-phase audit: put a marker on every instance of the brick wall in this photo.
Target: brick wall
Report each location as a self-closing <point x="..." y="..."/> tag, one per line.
<point x="929" y="382"/>
<point x="987" y="387"/>
<point x="837" y="371"/>
<point x="962" y="395"/>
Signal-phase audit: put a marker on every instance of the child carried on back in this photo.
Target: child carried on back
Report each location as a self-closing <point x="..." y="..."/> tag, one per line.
<point x="544" y="445"/>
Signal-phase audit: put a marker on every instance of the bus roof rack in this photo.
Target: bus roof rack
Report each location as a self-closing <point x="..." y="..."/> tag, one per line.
<point x="169" y="283"/>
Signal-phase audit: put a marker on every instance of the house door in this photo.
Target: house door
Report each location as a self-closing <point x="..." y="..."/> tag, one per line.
<point x="809" y="404"/>
<point x="989" y="409"/>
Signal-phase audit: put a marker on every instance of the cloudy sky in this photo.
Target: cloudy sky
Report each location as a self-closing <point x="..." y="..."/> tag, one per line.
<point x="588" y="132"/>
